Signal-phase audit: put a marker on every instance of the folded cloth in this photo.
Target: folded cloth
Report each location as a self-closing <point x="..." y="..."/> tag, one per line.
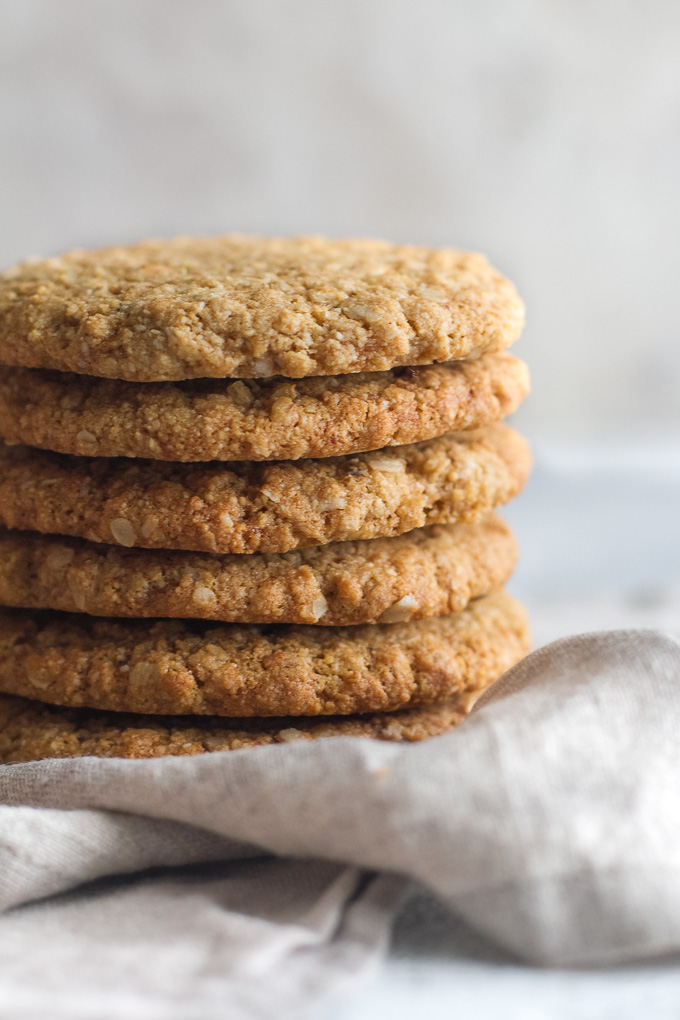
<point x="550" y="821"/>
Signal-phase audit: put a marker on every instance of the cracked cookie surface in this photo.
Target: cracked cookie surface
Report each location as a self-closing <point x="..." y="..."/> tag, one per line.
<point x="253" y="307"/>
<point x="182" y="667"/>
<point x="270" y="507"/>
<point x="273" y="419"/>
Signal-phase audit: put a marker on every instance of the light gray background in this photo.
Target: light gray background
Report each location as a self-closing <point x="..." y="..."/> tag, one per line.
<point x="543" y="132"/>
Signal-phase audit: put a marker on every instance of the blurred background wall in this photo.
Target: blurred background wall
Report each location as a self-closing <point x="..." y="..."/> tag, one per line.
<point x="543" y="132"/>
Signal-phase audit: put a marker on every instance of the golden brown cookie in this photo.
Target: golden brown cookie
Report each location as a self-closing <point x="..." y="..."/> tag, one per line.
<point x="30" y="731"/>
<point x="192" y="668"/>
<point x="270" y="507"/>
<point x="273" y="419"/>
<point x="252" y="307"/>
<point x="428" y="572"/>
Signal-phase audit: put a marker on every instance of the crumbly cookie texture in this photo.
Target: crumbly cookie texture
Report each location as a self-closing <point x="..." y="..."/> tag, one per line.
<point x="31" y="731"/>
<point x="253" y="307"/>
<point x="428" y="572"/>
<point x="270" y="507"/>
<point x="273" y="419"/>
<point x="181" y="668"/>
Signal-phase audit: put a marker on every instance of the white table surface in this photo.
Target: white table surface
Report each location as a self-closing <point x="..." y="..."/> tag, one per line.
<point x="600" y="538"/>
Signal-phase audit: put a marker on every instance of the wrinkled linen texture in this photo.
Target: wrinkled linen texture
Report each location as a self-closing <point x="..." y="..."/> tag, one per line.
<point x="264" y="882"/>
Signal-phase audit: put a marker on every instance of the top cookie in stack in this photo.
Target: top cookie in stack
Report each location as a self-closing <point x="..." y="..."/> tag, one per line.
<point x="250" y="308"/>
<point x="133" y="374"/>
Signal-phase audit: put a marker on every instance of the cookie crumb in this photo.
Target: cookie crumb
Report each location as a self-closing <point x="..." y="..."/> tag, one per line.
<point x="123" y="532"/>
<point x="401" y="611"/>
<point x="319" y="607"/>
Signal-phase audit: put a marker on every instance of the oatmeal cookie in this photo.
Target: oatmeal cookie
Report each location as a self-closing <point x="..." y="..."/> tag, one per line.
<point x="253" y="307"/>
<point x="270" y="507"/>
<point x="179" y="667"/>
<point x="427" y="572"/>
<point x="30" y="731"/>
<point x="271" y="419"/>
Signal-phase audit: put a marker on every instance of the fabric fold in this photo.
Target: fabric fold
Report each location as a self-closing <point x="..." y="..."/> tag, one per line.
<point x="549" y="821"/>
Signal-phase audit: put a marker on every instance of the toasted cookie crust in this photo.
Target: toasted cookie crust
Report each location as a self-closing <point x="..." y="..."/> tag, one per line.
<point x="252" y="307"/>
<point x="428" y="572"/>
<point x="272" y="419"/>
<point x="180" y="668"/>
<point x="31" y="731"/>
<point x="271" y="507"/>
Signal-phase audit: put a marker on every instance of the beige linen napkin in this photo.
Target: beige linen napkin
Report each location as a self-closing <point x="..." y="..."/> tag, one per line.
<point x="550" y="821"/>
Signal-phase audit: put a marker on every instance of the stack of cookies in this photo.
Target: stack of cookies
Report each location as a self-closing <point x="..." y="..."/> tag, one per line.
<point x="246" y="494"/>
